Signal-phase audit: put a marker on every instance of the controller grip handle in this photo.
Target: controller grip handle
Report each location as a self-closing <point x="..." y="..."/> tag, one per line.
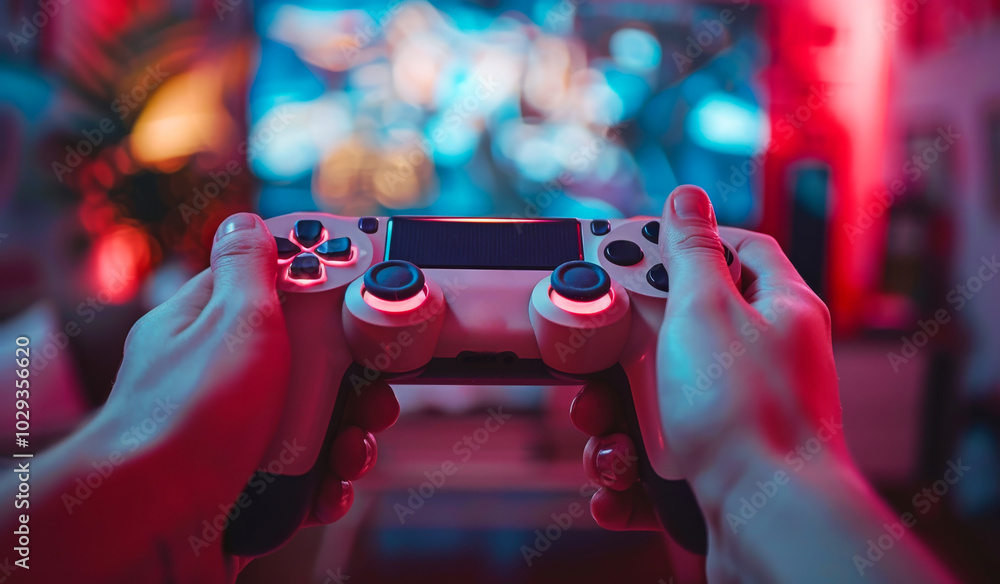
<point x="272" y="507"/>
<point x="673" y="500"/>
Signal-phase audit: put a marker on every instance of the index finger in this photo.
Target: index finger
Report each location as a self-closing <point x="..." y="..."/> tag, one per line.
<point x="767" y="272"/>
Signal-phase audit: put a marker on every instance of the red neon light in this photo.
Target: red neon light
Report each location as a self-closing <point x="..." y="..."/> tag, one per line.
<point x="574" y="307"/>
<point x="394" y="305"/>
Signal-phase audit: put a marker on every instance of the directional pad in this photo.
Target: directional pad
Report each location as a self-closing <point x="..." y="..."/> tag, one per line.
<point x="286" y="248"/>
<point x="305" y="266"/>
<point x="308" y="232"/>
<point x="338" y="249"/>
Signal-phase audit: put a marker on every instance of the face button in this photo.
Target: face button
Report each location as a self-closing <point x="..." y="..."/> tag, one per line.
<point x="338" y="249"/>
<point x="305" y="266"/>
<point x="394" y="280"/>
<point x="368" y="224"/>
<point x="308" y="232"/>
<point x="729" y="255"/>
<point x="580" y="281"/>
<point x="651" y="231"/>
<point x="286" y="248"/>
<point x="600" y="227"/>
<point x="657" y="278"/>
<point x="623" y="253"/>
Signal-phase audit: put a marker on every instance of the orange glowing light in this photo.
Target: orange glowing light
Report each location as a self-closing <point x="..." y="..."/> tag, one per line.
<point x="184" y="116"/>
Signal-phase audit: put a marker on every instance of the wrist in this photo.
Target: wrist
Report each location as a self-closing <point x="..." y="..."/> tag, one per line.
<point x="750" y="473"/>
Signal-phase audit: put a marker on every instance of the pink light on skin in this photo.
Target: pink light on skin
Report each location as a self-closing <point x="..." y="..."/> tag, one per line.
<point x="394" y="305"/>
<point x="590" y="307"/>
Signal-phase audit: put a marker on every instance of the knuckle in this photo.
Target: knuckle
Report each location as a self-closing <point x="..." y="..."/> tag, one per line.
<point x="711" y="302"/>
<point x="808" y="302"/>
<point x="821" y="312"/>
<point x="239" y="250"/>
<point x="698" y="239"/>
<point x="807" y="316"/>
<point x="139" y="330"/>
<point x="767" y="241"/>
<point x="253" y="299"/>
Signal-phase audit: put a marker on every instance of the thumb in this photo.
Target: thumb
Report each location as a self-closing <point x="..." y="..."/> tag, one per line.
<point x="244" y="259"/>
<point x="691" y="249"/>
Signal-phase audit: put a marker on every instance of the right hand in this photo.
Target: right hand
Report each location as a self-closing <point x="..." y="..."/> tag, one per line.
<point x="745" y="377"/>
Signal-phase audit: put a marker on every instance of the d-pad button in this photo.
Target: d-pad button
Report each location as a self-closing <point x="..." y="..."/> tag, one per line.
<point x="305" y="266"/>
<point x="286" y="248"/>
<point x="308" y="232"/>
<point x="338" y="249"/>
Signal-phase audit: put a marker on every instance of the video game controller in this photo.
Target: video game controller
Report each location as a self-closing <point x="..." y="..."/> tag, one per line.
<point x="449" y="301"/>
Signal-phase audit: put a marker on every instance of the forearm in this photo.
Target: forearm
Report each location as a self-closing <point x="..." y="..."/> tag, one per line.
<point x="93" y="515"/>
<point x="772" y="523"/>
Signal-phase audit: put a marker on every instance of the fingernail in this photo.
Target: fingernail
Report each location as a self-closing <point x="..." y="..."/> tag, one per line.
<point x="335" y="500"/>
<point x="237" y="222"/>
<point x="347" y="493"/>
<point x="604" y="462"/>
<point x="691" y="203"/>
<point x="371" y="452"/>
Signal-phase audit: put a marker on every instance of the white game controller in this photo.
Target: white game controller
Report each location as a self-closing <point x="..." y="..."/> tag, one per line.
<point x="442" y="300"/>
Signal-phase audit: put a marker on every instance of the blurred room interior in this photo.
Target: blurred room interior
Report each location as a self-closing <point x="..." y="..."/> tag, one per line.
<point x="864" y="135"/>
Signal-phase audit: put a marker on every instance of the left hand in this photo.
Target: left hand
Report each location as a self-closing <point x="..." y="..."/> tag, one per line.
<point x="209" y="369"/>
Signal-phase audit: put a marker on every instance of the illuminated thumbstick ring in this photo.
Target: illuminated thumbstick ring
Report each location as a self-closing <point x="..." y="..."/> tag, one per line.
<point x="394" y="280"/>
<point x="394" y="305"/>
<point x="592" y="307"/>
<point x="580" y="281"/>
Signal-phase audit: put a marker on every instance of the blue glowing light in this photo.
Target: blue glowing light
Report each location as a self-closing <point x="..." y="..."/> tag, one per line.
<point x="635" y="50"/>
<point x="725" y="123"/>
